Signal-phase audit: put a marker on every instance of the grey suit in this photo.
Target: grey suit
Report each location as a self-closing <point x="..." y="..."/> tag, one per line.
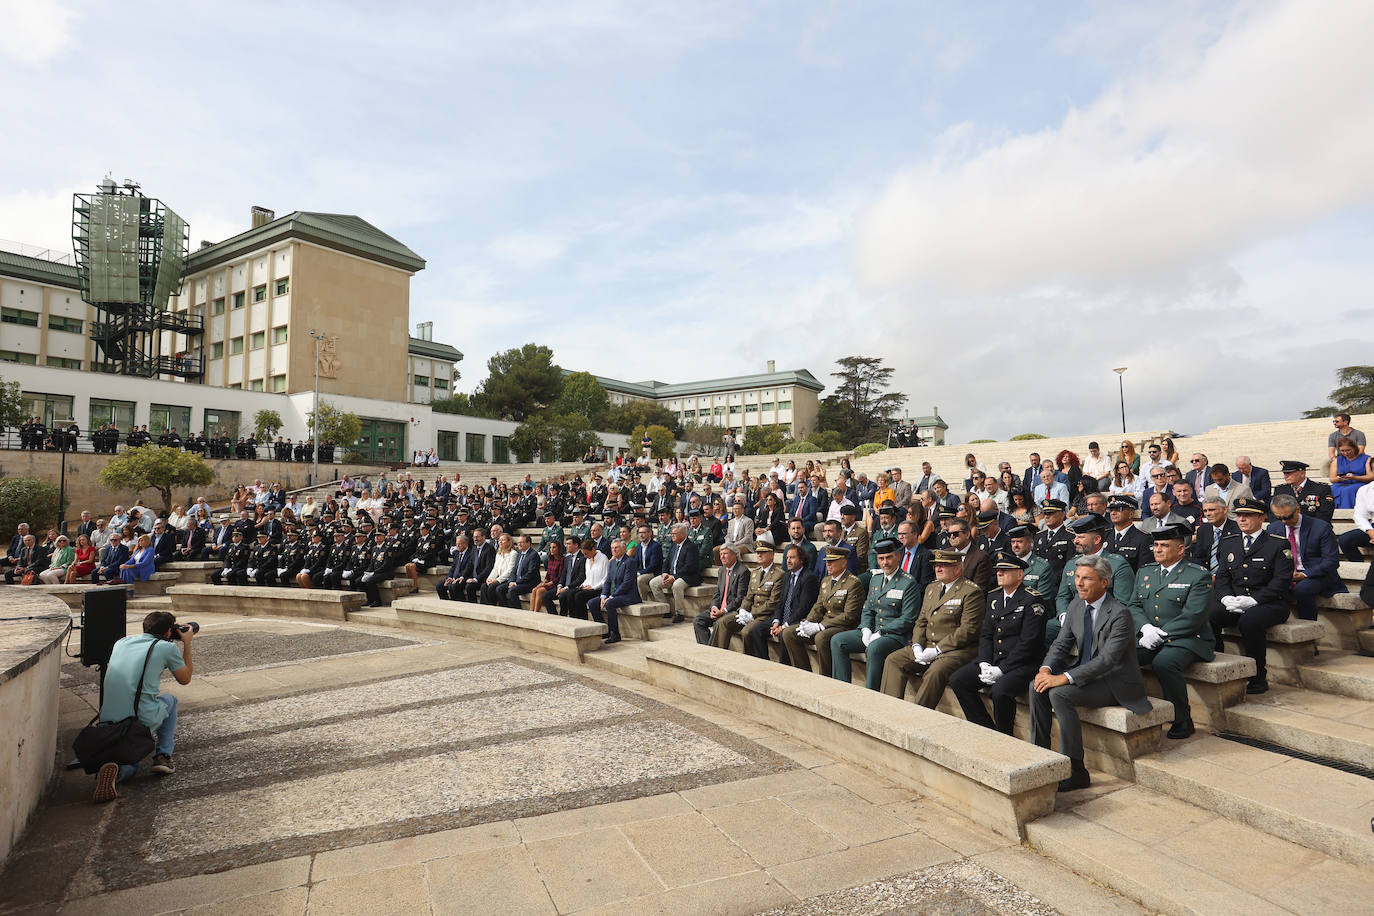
<point x="727" y="601"/>
<point x="739" y="534"/>
<point x="1111" y="677"/>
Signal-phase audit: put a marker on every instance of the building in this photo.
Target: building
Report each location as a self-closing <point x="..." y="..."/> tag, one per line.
<point x="789" y="398"/>
<point x="930" y="428"/>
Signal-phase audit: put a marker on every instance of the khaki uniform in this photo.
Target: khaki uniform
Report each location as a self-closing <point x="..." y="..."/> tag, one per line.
<point x="837" y="608"/>
<point x="765" y="590"/>
<point x="951" y="622"/>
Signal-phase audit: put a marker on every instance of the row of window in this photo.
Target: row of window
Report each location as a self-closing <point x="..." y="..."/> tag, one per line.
<point x="705" y="413"/>
<point x="57" y="408"/>
<point x="29" y="359"/>
<point x="29" y="319"/>
<point x="476" y="451"/>
<point x="281" y="287"/>
<point x="424" y="381"/>
<point x="256" y="341"/>
<point x="734" y="398"/>
<point x="276" y="383"/>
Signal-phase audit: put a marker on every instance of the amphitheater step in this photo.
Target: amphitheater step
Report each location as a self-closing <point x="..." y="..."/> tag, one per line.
<point x="1175" y="857"/>
<point x="1315" y="806"/>
<point x="1366" y="638"/>
<point x="1322" y="724"/>
<point x="623" y="658"/>
<point x="1342" y="673"/>
<point x="377" y="617"/>
<point x="150" y="604"/>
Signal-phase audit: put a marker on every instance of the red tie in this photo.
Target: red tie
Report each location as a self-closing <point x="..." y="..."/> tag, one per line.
<point x="906" y="562"/>
<point x="725" y="590"/>
<point x="1293" y="544"/>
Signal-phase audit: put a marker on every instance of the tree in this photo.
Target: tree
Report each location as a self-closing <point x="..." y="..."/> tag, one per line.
<point x="11" y="405"/>
<point x="1353" y="394"/>
<point x="522" y="382"/>
<point x="534" y="437"/>
<point x="583" y="396"/>
<point x="467" y="405"/>
<point x="573" y="435"/>
<point x="827" y="441"/>
<point x="665" y="445"/>
<point x="27" y="499"/>
<point x="861" y="407"/>
<point x="766" y="440"/>
<point x="153" y="468"/>
<point x="343" y="428"/>
<point x="623" y="418"/>
<point x="265" y="424"/>
<point x="701" y="436"/>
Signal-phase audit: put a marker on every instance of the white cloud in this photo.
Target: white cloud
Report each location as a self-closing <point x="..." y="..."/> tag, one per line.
<point x="1271" y="128"/>
<point x="34" y="32"/>
<point x="526" y="250"/>
<point x="39" y="218"/>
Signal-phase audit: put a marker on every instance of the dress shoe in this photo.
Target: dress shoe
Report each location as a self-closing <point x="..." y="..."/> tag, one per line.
<point x="678" y="618"/>
<point x="610" y="638"/>
<point x="1182" y="729"/>
<point x="1257" y="685"/>
<point x="1079" y="779"/>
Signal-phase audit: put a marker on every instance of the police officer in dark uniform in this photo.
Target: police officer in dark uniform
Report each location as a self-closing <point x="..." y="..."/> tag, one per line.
<point x="234" y="570"/>
<point x="356" y="563"/>
<point x="1251" y="588"/>
<point x="340" y="555"/>
<point x="290" y="557"/>
<point x="1313" y="498"/>
<point x="1010" y="649"/>
<point x="991" y="539"/>
<point x="262" y="563"/>
<point x="1124" y="538"/>
<point x="311" y="573"/>
<point x="1054" y="542"/>
<point x="381" y="563"/>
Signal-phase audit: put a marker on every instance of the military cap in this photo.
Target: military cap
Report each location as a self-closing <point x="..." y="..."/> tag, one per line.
<point x="360" y="534"/>
<point x="379" y="533"/>
<point x="234" y="532"/>
<point x="579" y="510"/>
<point x="849" y="509"/>
<point x="462" y="510"/>
<point x="887" y="545"/>
<point x="263" y="534"/>
<point x="833" y="553"/>
<point x="765" y="543"/>
<point x="987" y="517"/>
<point x="1123" y="501"/>
<point x="549" y="513"/>
<point x="1053" y="505"/>
<point x="1250" y="505"/>
<point x="1007" y="560"/>
<point x="947" y="556"/>
<point x="316" y="533"/>
<point x="665" y="511"/>
<point x="1171" y="533"/>
<point x="1289" y="466"/>
<point x="1088" y="522"/>
<point x="694" y="512"/>
<point x="1021" y="531"/>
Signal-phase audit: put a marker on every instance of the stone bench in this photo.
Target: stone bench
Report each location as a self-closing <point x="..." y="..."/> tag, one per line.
<point x="265" y="601"/>
<point x="1289" y="645"/>
<point x="1213" y="687"/>
<point x="996" y="780"/>
<point x="70" y="594"/>
<point x="1344" y="615"/>
<point x="193" y="572"/>
<point x="548" y="633"/>
<point x="156" y="584"/>
<point x="636" y="620"/>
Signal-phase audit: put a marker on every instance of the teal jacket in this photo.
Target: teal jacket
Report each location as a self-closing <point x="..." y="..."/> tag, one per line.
<point x="891" y="609"/>
<point x="1177" y="603"/>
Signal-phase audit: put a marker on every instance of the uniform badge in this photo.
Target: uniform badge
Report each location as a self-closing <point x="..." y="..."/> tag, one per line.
<point x="1288" y="554"/>
<point x="1039" y="611"/>
<point x="1230" y="558"/>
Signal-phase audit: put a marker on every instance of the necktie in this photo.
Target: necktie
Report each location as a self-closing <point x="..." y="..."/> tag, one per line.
<point x="791" y="590"/>
<point x="906" y="562"/>
<point x="725" y="588"/>
<point x="1293" y="545"/>
<point x="943" y="590"/>
<point x="1249" y="539"/>
<point x="1216" y="545"/>
<point x="1086" y="649"/>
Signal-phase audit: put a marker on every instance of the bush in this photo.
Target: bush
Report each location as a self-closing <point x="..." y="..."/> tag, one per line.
<point x="765" y="440"/>
<point x="868" y="448"/>
<point x="354" y="458"/>
<point x="797" y="448"/>
<point x="27" y="499"/>
<point x="980" y="441"/>
<point x="827" y="441"/>
<point x="1024" y="436"/>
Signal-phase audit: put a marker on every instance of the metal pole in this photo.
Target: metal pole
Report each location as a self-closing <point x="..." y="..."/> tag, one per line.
<point x="62" y="495"/>
<point x="315" y="415"/>
<point x="1121" y="387"/>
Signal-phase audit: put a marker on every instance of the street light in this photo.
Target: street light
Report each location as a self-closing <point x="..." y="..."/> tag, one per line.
<point x="1121" y="386"/>
<point x="319" y="338"/>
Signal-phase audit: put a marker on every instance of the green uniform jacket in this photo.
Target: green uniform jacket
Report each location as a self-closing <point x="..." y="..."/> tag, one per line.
<point x="1122" y="585"/>
<point x="1177" y="603"/>
<point x="891" y="609"/>
<point x="580" y="531"/>
<point x="839" y="603"/>
<point x="701" y="536"/>
<point x="1040" y="577"/>
<point x="765" y="592"/>
<point x="868" y="550"/>
<point x="552" y="535"/>
<point x="952" y="621"/>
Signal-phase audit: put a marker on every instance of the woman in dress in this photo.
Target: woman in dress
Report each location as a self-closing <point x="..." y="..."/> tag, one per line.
<point x="1019" y="506"/>
<point x="1124" y="480"/>
<point x="1128" y="455"/>
<point x="1348" y="472"/>
<point x="84" y="562"/>
<point x="553" y="571"/>
<point x="1069" y="465"/>
<point x="140" y="565"/>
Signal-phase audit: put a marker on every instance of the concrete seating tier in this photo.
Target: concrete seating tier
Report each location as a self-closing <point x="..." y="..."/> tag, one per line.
<point x="636" y="620"/>
<point x="156" y="584"/>
<point x="266" y="601"/>
<point x="69" y="594"/>
<point x="559" y="636"/>
<point x="1213" y="687"/>
<point x="1290" y="645"/>
<point x="1344" y="616"/>
<point x="193" y="572"/>
<point x="996" y="780"/>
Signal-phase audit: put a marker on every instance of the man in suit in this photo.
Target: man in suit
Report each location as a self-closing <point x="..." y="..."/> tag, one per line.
<point x="164" y="544"/>
<point x="796" y="531"/>
<point x="1200" y="477"/>
<point x="944" y="637"/>
<point x="851" y="532"/>
<point x="559" y="598"/>
<point x="1214" y="526"/>
<point x="11" y="558"/>
<point x="680" y="571"/>
<point x="617" y="591"/>
<point x="1125" y="539"/>
<point x="524" y="577"/>
<point x="739" y="531"/>
<point x="1257" y="479"/>
<point x="838" y="609"/>
<point x="927" y="478"/>
<point x="1253" y="579"/>
<point x="25" y="559"/>
<point x="1316" y="557"/>
<point x="1088" y="540"/>
<point x="760" y="605"/>
<point x="1161" y="515"/>
<point x="901" y="489"/>
<point x="1106" y="672"/>
<point x="976" y="564"/>
<point x="1031" y="475"/>
<point x="1170" y="608"/>
<point x="214" y="549"/>
<point x="1313" y="498"/>
<point x="87" y="524"/>
<point x="483" y="561"/>
<point x="914" y="559"/>
<point x="648" y="561"/>
<point x="108" y="568"/>
<point x="833" y="538"/>
<point x="1010" y="649"/>
<point x="798" y="594"/>
<point x="732" y="585"/>
<point x="889" y="614"/>
<point x="803" y="506"/>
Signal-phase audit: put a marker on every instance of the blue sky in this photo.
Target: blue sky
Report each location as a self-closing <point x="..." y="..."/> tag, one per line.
<point x="1003" y="200"/>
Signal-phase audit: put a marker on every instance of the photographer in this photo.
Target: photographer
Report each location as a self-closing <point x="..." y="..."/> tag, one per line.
<point x="138" y="662"/>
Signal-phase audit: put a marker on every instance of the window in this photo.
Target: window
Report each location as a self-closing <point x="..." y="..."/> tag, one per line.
<point x="689" y="415"/>
<point x="734" y="409"/>
<point x="235" y="346"/>
<point x="767" y="406"/>
<point x="217" y="307"/>
<point x="255" y="385"/>
<point x="217" y="350"/>
<point x="279" y="383"/>
<point x="279" y="334"/>
<point x="283" y="286"/>
<point x="720" y="411"/>
<point x="19" y="316"/>
<point x="422" y="381"/>
<point x="238" y="300"/>
<point x="51" y="407"/>
<point x="441" y="384"/>
<point x="258" y="340"/>
<point x="500" y="449"/>
<point x="120" y="413"/>
<point x="448" y="446"/>
<point x="11" y="356"/>
<point x="221" y="421"/>
<point x="260" y="293"/>
<point x="751" y="408"/>
<point x="62" y="362"/>
<point x="70" y="325"/>
<point x="784" y="405"/>
<point x="237" y="386"/>
<point x="168" y="416"/>
<point x="477" y="447"/>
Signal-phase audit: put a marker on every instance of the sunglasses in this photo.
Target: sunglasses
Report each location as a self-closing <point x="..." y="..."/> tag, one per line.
<point x="1197" y="461"/>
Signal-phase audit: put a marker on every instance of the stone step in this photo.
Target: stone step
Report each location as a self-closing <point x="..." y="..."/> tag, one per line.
<point x="1343" y="673"/>
<point x="147" y="605"/>
<point x="377" y="617"/>
<point x="1305" y="803"/>
<point x="623" y="658"/>
<point x="1306" y="720"/>
<point x="1366" y="640"/>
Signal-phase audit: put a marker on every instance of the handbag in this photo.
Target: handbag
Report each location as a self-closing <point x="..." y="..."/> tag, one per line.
<point x="29" y="578"/>
<point x="125" y="742"/>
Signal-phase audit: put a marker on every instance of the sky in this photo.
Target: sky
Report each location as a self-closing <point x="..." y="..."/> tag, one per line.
<point x="1003" y="201"/>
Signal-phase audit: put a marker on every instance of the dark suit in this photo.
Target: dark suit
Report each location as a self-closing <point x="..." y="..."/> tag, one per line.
<point x="1258" y="482"/>
<point x="1206" y="539"/>
<point x="1013" y="639"/>
<point x="804" y="508"/>
<point x="855" y="562"/>
<point x="1200" y="478"/>
<point x="522" y="580"/>
<point x="683" y="564"/>
<point x="1318" y="559"/>
<point x="108" y="570"/>
<point x="482" y="563"/>
<point x="618" y="591"/>
<point x="163" y="547"/>
<point x="730" y="591"/>
<point x="978" y="569"/>
<point x="1264" y="573"/>
<point x="648" y="565"/>
<point x="798" y="594"/>
<point x="1110" y="677"/>
<point x="460" y="572"/>
<point x="574" y="573"/>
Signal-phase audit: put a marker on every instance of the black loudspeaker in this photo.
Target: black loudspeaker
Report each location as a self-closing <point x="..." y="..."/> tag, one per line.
<point x="102" y="623"/>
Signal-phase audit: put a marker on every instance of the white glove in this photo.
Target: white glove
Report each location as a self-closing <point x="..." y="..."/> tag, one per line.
<point x="281" y="571"/>
<point x="328" y="571"/>
<point x="744" y="618"/>
<point x="1151" y="636"/>
<point x="868" y="636"/>
<point x="806" y="629"/>
<point x="225" y="571"/>
<point x="990" y="675"/>
<point x="1244" y="603"/>
<point x="928" y="655"/>
<point x="1061" y="619"/>
<point x="253" y="573"/>
<point x="983" y="671"/>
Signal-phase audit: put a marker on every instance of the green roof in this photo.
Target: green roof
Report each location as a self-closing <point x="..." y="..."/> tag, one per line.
<point x="339" y="231"/>
<point x="432" y="350"/>
<point x="929" y="420"/>
<point x="39" y="270"/>
<point x="799" y="378"/>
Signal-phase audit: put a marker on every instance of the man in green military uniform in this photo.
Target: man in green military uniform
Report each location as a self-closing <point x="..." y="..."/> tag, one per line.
<point x="888" y="616"/>
<point x="580" y="527"/>
<point x="1089" y="532"/>
<point x="553" y="534"/>
<point x="838" y="608"/>
<point x="664" y="532"/>
<point x="702" y="536"/>
<point x="945" y="636"/>
<point x="1170" y="609"/>
<point x="761" y="604"/>
<point x="1039" y="576"/>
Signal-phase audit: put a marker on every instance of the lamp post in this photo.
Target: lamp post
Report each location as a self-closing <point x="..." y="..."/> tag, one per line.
<point x="1121" y="387"/>
<point x="318" y="337"/>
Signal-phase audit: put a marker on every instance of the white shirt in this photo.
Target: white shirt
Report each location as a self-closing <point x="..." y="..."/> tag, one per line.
<point x="1099" y="467"/>
<point x="505" y="562"/>
<point x="1364" y="507"/>
<point x="596" y="570"/>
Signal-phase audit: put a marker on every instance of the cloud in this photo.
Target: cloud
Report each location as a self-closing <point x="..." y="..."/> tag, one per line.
<point x="42" y="219"/>
<point x="1270" y="129"/>
<point x="34" y="33"/>
<point x="526" y="250"/>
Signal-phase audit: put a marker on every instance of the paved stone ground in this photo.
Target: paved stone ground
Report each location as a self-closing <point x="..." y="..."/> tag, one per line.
<point x="342" y="769"/>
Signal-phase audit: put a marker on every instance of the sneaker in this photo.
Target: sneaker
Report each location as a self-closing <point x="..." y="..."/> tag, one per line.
<point x="162" y="763"/>
<point x="105" y="782"/>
